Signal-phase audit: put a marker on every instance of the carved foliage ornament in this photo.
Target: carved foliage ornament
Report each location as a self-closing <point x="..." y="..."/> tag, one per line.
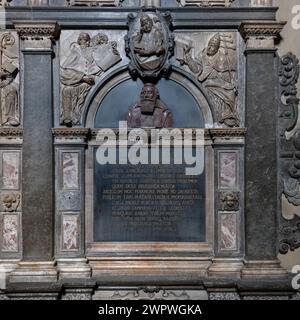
<point x="149" y="44"/>
<point x="289" y="232"/>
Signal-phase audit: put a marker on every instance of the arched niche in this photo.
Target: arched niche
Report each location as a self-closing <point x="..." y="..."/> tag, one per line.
<point x="112" y="98"/>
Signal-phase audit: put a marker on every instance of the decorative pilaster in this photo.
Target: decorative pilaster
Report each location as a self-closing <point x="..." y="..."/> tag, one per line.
<point x="70" y="147"/>
<point x="37" y="162"/>
<point x="229" y="207"/>
<point x="261" y="203"/>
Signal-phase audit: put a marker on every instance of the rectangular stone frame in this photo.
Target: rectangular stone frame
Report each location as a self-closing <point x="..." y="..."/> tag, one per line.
<point x="154" y="256"/>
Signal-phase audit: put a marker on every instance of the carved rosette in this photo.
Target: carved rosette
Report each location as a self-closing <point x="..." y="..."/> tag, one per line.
<point x="149" y="44"/>
<point x="289" y="173"/>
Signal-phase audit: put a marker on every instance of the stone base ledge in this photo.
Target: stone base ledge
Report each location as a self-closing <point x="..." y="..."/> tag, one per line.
<point x="226" y="268"/>
<point x="34" y="272"/>
<point x="264" y="269"/>
<point x="73" y="268"/>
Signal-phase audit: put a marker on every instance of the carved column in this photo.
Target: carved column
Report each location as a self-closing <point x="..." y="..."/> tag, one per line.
<point x="261" y="203"/>
<point x="37" y="164"/>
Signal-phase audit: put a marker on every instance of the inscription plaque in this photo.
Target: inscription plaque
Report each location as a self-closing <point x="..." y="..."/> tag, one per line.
<point x="148" y="203"/>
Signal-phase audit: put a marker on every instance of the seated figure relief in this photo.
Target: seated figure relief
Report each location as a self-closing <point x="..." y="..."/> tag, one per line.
<point x="87" y="60"/>
<point x="215" y="68"/>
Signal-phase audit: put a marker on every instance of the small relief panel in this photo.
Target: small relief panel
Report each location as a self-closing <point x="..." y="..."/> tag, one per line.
<point x="211" y="57"/>
<point x="69" y="201"/>
<point x="9" y="83"/>
<point x="227" y="170"/>
<point x="70" y="232"/>
<point x="85" y="57"/>
<point x="70" y="170"/>
<point x="10" y="230"/>
<point x="228" y="232"/>
<point x="229" y="201"/>
<point x="10" y="171"/>
<point x="10" y="201"/>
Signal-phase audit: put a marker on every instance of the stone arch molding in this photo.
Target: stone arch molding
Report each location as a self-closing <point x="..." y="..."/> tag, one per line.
<point x="119" y="76"/>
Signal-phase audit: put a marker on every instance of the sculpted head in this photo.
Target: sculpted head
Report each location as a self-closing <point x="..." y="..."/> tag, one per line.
<point x="149" y="96"/>
<point x="100" y="39"/>
<point x="146" y="23"/>
<point x="84" y="40"/>
<point x="214" y="45"/>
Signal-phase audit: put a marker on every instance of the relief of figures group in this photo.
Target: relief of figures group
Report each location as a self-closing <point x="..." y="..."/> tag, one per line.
<point x="149" y="47"/>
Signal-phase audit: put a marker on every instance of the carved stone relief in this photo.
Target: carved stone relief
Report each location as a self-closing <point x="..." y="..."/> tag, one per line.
<point x="150" y="111"/>
<point x="289" y="230"/>
<point x="149" y="44"/>
<point x="95" y="3"/>
<point x="213" y="61"/>
<point x="85" y="57"/>
<point x="11" y="202"/>
<point x="229" y="201"/>
<point x="9" y="80"/>
<point x="4" y="3"/>
<point x="205" y="3"/>
<point x="151" y="293"/>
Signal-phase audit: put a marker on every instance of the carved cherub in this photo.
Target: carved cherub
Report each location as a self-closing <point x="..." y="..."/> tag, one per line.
<point x="11" y="202"/>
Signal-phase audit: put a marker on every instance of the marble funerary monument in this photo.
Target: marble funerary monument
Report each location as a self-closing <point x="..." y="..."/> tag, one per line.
<point x="71" y="228"/>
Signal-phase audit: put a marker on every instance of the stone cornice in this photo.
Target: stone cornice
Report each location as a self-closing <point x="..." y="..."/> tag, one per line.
<point x="11" y="132"/>
<point x="261" y="29"/>
<point x="226" y="133"/>
<point x="37" y="30"/>
<point x="71" y="133"/>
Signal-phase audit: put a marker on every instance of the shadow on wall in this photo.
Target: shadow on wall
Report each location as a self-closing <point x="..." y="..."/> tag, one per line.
<point x="290" y="11"/>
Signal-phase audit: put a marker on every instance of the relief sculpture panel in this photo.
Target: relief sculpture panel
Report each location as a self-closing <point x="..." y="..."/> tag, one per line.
<point x="212" y="59"/>
<point x="9" y="80"/>
<point x="85" y="57"/>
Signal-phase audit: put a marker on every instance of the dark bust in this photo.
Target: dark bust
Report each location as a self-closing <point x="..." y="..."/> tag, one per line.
<point x="150" y="112"/>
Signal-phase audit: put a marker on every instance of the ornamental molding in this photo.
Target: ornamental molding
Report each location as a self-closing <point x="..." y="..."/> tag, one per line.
<point x="37" y="31"/>
<point x="205" y="3"/>
<point x="11" y="132"/>
<point x="261" y="30"/>
<point x="71" y="133"/>
<point x="228" y="133"/>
